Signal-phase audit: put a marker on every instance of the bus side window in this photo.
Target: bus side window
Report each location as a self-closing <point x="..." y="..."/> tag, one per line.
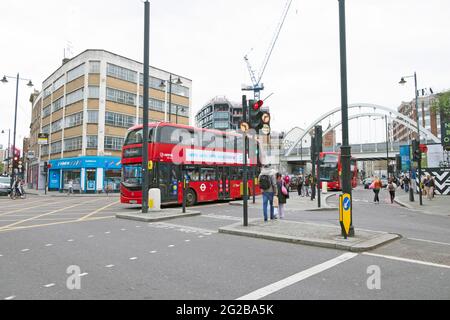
<point x="207" y="174"/>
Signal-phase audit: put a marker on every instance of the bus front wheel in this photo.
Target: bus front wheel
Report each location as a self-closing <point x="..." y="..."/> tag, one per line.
<point x="191" y="198"/>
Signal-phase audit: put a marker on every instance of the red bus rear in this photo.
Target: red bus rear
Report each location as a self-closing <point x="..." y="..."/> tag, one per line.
<point x="331" y="170"/>
<point x="211" y="160"/>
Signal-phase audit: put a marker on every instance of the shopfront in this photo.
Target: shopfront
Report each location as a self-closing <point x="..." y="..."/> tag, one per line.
<point x="87" y="174"/>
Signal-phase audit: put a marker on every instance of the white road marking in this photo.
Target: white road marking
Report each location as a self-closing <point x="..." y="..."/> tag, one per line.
<point x="154" y="251"/>
<point x="133" y="258"/>
<point x="407" y="260"/>
<point x="109" y="266"/>
<point x="200" y="236"/>
<point x="277" y="286"/>
<point x="171" y="246"/>
<point x="221" y="217"/>
<point x="138" y="226"/>
<point x="1" y="255"/>
<point x="187" y="240"/>
<point x="91" y="236"/>
<point x="84" y="274"/>
<point x="430" y="241"/>
<point x="70" y="240"/>
<point x="25" y="250"/>
<point x="185" y="228"/>
<point x="10" y="298"/>
<point x="123" y="229"/>
<point x="48" y="245"/>
<point x="49" y="285"/>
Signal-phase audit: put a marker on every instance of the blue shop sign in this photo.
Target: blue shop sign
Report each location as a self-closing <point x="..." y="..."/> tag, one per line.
<point x="108" y="163"/>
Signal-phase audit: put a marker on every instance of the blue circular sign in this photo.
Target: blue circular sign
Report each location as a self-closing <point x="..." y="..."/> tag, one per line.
<point x="346" y="204"/>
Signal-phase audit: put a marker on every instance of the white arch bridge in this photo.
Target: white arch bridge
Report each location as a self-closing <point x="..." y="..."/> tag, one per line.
<point x="296" y="144"/>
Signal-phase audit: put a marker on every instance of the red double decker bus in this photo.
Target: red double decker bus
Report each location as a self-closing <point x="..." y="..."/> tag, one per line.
<point x="212" y="161"/>
<point x="331" y="170"/>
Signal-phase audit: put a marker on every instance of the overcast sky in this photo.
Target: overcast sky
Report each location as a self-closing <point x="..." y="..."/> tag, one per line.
<point x="206" y="40"/>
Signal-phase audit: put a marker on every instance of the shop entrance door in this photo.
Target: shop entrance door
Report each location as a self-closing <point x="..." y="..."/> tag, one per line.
<point x="90" y="180"/>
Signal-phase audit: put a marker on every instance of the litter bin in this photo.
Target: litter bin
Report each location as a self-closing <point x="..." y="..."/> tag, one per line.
<point x="154" y="200"/>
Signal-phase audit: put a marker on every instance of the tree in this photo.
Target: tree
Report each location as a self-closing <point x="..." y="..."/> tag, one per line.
<point x="442" y="104"/>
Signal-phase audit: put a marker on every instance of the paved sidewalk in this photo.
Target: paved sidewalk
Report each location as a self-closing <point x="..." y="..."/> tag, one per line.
<point x="35" y="192"/>
<point x="440" y="205"/>
<point x="295" y="203"/>
<point x="311" y="234"/>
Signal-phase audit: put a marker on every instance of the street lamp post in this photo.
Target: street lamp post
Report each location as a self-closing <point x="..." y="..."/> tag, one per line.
<point x="345" y="148"/>
<point x="163" y="85"/>
<point x="30" y="84"/>
<point x="419" y="165"/>
<point x="145" y="130"/>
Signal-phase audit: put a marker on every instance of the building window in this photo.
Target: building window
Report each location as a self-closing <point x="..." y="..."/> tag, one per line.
<point x="58" y="83"/>
<point x="92" y="116"/>
<point x="55" y="147"/>
<point x="93" y="92"/>
<point x="46" y="129"/>
<point x="44" y="150"/>
<point x="58" y="104"/>
<point x="121" y="96"/>
<point x="113" y="143"/>
<point x="47" y="91"/>
<point x="119" y="120"/>
<point x="75" y="73"/>
<point x="94" y="66"/>
<point x="75" y="96"/>
<point x="121" y="73"/>
<point x="73" y="144"/>
<point x="92" y="142"/>
<point x="57" y="125"/>
<point x="46" y="111"/>
<point x="74" y="120"/>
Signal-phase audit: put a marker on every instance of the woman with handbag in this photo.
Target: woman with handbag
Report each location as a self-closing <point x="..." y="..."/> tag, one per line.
<point x="283" y="195"/>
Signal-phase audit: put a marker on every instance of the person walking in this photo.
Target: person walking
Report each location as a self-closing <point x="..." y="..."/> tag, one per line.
<point x="429" y="186"/>
<point x="283" y="195"/>
<point x="392" y="186"/>
<point x="268" y="185"/>
<point x="70" y="187"/>
<point x="377" y="185"/>
<point x="300" y="185"/>
<point x="307" y="181"/>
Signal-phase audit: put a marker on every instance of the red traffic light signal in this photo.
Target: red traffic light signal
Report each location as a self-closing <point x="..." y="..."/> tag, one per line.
<point x="257" y="105"/>
<point x="423" y="148"/>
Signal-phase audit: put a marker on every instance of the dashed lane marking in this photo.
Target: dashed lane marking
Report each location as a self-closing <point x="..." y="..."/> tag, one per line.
<point x="10" y="298"/>
<point x="45" y="214"/>
<point x="109" y="266"/>
<point x="99" y="210"/>
<point x="153" y="252"/>
<point x="133" y="258"/>
<point x="49" y="245"/>
<point x="184" y="228"/>
<point x="27" y="208"/>
<point x="49" y="285"/>
<point x="24" y="250"/>
<point x="407" y="260"/>
<point x="277" y="286"/>
<point x="430" y="241"/>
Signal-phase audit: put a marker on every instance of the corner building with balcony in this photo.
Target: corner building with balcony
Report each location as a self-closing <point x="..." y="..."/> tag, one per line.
<point x="86" y="107"/>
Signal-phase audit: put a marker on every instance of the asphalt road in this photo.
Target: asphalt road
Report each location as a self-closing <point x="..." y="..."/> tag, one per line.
<point x="41" y="237"/>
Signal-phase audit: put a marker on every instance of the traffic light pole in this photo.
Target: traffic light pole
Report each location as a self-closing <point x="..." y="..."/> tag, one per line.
<point x="345" y="148"/>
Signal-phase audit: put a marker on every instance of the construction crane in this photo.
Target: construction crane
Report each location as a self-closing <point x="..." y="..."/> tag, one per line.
<point x="257" y="86"/>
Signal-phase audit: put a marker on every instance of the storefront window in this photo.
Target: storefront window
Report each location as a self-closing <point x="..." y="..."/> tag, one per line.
<point x="75" y="176"/>
<point x="112" y="180"/>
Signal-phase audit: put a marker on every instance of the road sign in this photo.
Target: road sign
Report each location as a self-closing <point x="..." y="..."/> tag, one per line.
<point x="244" y="126"/>
<point x="345" y="213"/>
<point x="43" y="138"/>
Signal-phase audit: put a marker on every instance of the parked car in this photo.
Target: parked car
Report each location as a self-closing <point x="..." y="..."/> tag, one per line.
<point x="5" y="188"/>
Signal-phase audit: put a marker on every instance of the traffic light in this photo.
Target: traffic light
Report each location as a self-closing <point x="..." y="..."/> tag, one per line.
<point x="45" y="167"/>
<point x="398" y="162"/>
<point x="259" y="120"/>
<point x="15" y="163"/>
<point x="417" y="153"/>
<point x="318" y="138"/>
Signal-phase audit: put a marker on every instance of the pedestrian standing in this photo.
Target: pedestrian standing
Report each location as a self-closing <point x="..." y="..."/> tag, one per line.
<point x="432" y="187"/>
<point x="300" y="185"/>
<point x="307" y="181"/>
<point x="392" y="186"/>
<point x="268" y="185"/>
<point x="283" y="195"/>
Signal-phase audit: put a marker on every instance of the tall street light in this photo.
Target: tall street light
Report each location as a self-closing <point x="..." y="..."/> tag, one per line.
<point x="419" y="165"/>
<point x="387" y="144"/>
<point x="145" y="130"/>
<point x="345" y="148"/>
<point x="29" y="84"/>
<point x="163" y="85"/>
